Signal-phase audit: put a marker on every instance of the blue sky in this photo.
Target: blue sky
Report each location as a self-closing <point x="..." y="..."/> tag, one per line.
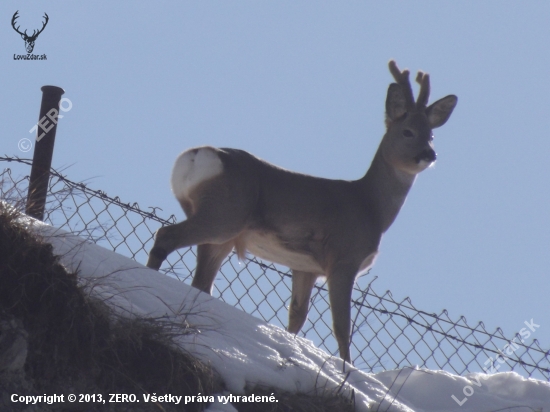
<point x="303" y="85"/>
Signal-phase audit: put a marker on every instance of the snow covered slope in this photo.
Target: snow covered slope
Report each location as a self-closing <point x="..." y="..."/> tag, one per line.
<point x="247" y="351"/>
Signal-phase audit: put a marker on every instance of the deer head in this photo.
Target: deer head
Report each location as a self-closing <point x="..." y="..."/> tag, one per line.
<point x="29" y="40"/>
<point x="407" y="144"/>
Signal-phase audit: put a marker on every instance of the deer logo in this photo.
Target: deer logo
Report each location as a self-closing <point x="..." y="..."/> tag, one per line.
<point x="29" y="40"/>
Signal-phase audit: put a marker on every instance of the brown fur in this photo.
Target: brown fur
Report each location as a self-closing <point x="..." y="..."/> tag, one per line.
<point x="315" y="226"/>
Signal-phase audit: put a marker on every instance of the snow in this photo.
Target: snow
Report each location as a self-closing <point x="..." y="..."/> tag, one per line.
<point x="247" y="352"/>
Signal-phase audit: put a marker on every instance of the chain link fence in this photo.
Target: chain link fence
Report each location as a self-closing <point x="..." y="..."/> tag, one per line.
<point x="387" y="333"/>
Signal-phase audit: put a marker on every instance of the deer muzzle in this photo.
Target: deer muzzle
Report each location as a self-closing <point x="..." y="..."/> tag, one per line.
<point x="427" y="155"/>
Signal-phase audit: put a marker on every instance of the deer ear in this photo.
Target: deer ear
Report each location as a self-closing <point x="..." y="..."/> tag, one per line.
<point x="396" y="104"/>
<point x="439" y="112"/>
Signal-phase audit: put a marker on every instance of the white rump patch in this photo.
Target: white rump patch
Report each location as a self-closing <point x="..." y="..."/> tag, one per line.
<point x="193" y="167"/>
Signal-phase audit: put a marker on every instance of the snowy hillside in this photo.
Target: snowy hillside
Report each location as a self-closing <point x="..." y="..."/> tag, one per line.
<point x="247" y="352"/>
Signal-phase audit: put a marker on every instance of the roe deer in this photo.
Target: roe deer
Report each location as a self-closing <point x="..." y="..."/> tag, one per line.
<point x="315" y="226"/>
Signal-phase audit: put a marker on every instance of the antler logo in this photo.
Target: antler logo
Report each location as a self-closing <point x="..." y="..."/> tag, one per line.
<point x="29" y="40"/>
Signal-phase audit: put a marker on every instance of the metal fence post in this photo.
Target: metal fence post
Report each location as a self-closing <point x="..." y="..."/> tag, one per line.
<point x="43" y="151"/>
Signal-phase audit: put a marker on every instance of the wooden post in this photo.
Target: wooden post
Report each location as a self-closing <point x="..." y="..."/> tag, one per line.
<point x="43" y="151"/>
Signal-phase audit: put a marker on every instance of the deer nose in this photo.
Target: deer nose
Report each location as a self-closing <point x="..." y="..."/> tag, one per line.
<point x="428" y="155"/>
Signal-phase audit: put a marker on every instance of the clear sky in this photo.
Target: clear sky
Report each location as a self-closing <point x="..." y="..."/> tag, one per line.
<point x="303" y="85"/>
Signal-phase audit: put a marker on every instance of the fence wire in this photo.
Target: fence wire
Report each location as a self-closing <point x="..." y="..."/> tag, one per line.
<point x="387" y="334"/>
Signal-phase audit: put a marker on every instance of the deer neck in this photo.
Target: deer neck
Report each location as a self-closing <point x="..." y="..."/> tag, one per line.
<point x="385" y="189"/>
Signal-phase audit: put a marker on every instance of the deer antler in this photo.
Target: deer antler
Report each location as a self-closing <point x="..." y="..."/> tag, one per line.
<point x="402" y="78"/>
<point x="423" y="79"/>
<point x="43" y="26"/>
<point x="34" y="33"/>
<point x="15" y="16"/>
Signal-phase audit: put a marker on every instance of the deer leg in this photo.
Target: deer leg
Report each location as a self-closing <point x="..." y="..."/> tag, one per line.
<point x="340" y="286"/>
<point x="170" y="238"/>
<point x="196" y="230"/>
<point x="302" y="284"/>
<point x="209" y="260"/>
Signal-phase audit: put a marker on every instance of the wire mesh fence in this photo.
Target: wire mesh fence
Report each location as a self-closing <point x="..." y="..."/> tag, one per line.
<point x="387" y="333"/>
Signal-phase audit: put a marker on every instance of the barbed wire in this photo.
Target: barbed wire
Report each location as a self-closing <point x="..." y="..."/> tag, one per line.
<point x="387" y="333"/>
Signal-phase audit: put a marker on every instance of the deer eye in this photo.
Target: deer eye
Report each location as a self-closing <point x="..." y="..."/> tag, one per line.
<point x="408" y="133"/>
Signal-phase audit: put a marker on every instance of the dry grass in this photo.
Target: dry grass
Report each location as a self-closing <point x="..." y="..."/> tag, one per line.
<point x="78" y="340"/>
<point x="77" y="345"/>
